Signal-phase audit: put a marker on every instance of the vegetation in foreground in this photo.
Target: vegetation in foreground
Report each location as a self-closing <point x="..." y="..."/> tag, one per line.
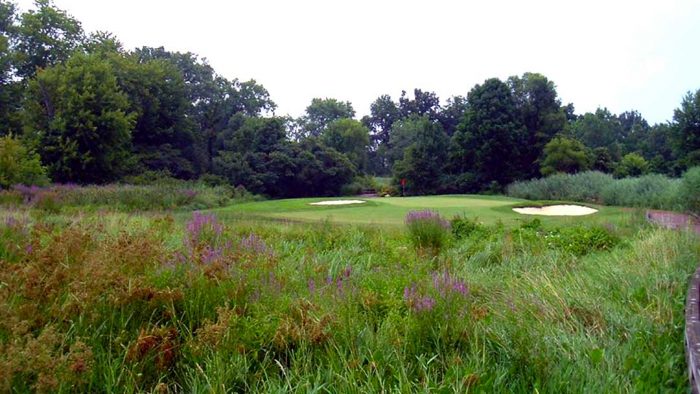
<point x="116" y="302"/>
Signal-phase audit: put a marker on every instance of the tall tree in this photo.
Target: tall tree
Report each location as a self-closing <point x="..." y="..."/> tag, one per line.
<point x="686" y="130"/>
<point x="10" y="91"/>
<point x="486" y="143"/>
<point x="452" y="114"/>
<point x="599" y="129"/>
<point x="321" y="112"/>
<point x="46" y="36"/>
<point x="78" y="118"/>
<point x="349" y="137"/>
<point x="423" y="162"/>
<point x="540" y="112"/>
<point x="423" y="104"/>
<point x="562" y="154"/>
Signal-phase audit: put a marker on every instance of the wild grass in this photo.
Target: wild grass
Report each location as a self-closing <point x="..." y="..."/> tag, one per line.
<point x="114" y="302"/>
<point x="647" y="191"/>
<point x="178" y="195"/>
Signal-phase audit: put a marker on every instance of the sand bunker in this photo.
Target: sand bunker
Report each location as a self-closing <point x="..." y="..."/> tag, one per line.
<point x="338" y="202"/>
<point x="557" y="210"/>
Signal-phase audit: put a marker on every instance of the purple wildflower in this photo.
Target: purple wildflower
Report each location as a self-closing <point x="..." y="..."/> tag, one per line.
<point x="312" y="286"/>
<point x="202" y="228"/>
<point x="254" y="244"/>
<point x="416" y="217"/>
<point x="418" y="302"/>
<point x="448" y="285"/>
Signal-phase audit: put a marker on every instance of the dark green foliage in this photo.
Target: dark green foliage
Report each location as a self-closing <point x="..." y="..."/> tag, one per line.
<point x="686" y="131"/>
<point x="690" y="190"/>
<point x="321" y="112"/>
<point x="424" y="160"/>
<point x="78" y="117"/>
<point x="349" y="137"/>
<point x="563" y="155"/>
<point x="487" y="142"/>
<point x="46" y="37"/>
<point x="632" y="164"/>
<point x="581" y="241"/>
<point x="540" y="113"/>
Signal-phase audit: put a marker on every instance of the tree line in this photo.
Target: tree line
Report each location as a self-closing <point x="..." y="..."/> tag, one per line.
<point x="79" y="107"/>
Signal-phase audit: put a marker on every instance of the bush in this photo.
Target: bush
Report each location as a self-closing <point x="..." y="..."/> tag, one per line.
<point x="427" y="230"/>
<point x="689" y="190"/>
<point x="581" y="241"/>
<point x="463" y="227"/>
<point x="19" y="165"/>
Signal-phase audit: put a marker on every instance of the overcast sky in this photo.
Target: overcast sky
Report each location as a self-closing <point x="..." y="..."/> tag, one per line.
<point x="623" y="55"/>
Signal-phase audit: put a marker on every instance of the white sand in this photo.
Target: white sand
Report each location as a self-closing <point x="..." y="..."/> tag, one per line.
<point x="338" y="202"/>
<point x="557" y="210"/>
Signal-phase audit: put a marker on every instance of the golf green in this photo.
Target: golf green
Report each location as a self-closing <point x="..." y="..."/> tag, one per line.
<point x="392" y="210"/>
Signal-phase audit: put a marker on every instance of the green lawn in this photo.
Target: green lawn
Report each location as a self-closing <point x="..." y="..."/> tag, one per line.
<point x="392" y="210"/>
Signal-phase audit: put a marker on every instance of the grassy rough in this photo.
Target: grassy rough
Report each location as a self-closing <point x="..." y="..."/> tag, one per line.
<point x="152" y="302"/>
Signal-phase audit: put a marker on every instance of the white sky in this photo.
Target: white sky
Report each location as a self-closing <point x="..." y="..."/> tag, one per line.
<point x="622" y="55"/>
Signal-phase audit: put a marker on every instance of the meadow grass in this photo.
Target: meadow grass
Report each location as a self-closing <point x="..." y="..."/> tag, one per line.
<point x="118" y="302"/>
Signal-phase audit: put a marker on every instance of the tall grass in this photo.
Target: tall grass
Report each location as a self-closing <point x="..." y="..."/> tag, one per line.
<point x="127" y="303"/>
<point x="124" y="197"/>
<point x="648" y="191"/>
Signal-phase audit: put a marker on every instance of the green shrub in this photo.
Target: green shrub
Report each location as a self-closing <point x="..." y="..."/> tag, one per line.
<point x="19" y="165"/>
<point x="581" y="241"/>
<point x="689" y="190"/>
<point x="463" y="227"/>
<point x="427" y="230"/>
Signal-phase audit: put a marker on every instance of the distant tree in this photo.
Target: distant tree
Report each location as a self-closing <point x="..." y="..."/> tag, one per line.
<point x="349" y="137"/>
<point x="563" y="155"/>
<point x="384" y="112"/>
<point x="599" y="129"/>
<point x="321" y="112"/>
<point x="657" y="148"/>
<point x="423" y="104"/>
<point x="686" y="130"/>
<point x="632" y="164"/>
<point x="10" y="90"/>
<point x="601" y="160"/>
<point x="486" y="142"/>
<point x="404" y="133"/>
<point x="542" y="115"/>
<point x="424" y="161"/>
<point x="78" y="118"/>
<point x="634" y="128"/>
<point x="19" y="165"/>
<point x="45" y="37"/>
<point x="452" y="114"/>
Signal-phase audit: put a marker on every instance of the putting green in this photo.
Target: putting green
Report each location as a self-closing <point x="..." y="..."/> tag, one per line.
<point x="393" y="210"/>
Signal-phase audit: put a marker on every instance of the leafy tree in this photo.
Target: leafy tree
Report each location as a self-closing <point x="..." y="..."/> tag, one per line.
<point x="19" y="165"/>
<point x="601" y="160"/>
<point x="540" y="112"/>
<point x="634" y="130"/>
<point x="657" y="148"/>
<point x="632" y="164"/>
<point x="563" y="155"/>
<point x="321" y="112"/>
<point x="350" y="137"/>
<point x="46" y="36"/>
<point x="384" y="112"/>
<point x="686" y="130"/>
<point x="424" y="160"/>
<point x="452" y="114"/>
<point x="599" y="129"/>
<point x="10" y="91"/>
<point x="403" y="134"/>
<point x="79" y="119"/>
<point x="423" y="104"/>
<point x="486" y="143"/>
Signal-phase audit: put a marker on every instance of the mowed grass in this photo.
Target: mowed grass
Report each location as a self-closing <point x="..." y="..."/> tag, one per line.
<point x="393" y="210"/>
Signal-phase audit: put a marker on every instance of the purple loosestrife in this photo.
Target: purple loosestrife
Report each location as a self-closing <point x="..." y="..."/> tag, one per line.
<point x="447" y="285"/>
<point x="427" y="230"/>
<point x="416" y="301"/>
<point x="253" y="244"/>
<point x="202" y="229"/>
